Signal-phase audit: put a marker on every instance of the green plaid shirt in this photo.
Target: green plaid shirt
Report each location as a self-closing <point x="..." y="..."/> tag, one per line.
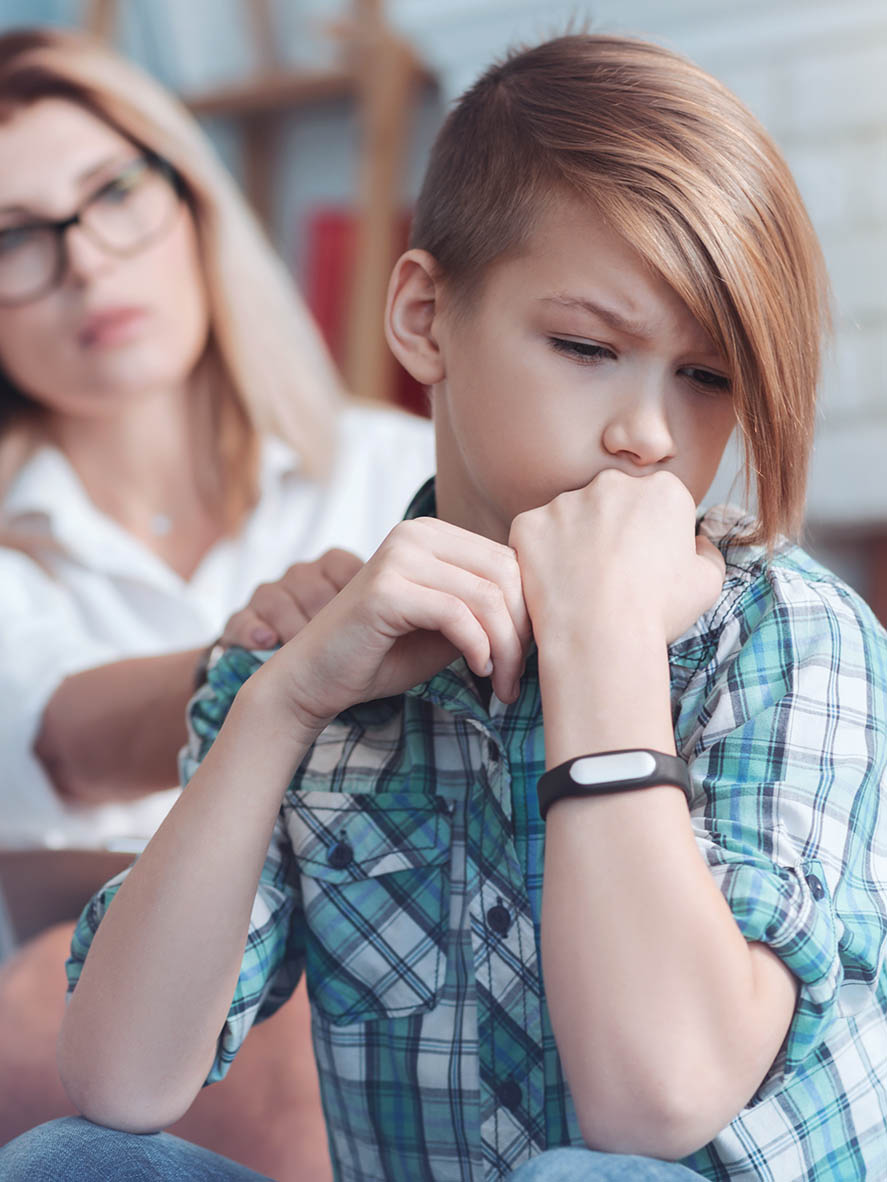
<point x="405" y="880"/>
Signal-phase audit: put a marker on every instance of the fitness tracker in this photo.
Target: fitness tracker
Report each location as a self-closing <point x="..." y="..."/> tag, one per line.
<point x="611" y="771"/>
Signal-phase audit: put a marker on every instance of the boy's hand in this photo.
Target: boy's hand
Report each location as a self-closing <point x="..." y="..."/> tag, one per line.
<point x="277" y="611"/>
<point x="620" y="553"/>
<point x="431" y="591"/>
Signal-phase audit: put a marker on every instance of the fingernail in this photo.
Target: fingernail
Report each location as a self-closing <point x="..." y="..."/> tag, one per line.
<point x="263" y="637"/>
<point x="488" y="668"/>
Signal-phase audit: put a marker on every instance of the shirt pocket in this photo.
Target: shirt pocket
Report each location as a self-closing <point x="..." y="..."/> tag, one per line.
<point x="374" y="871"/>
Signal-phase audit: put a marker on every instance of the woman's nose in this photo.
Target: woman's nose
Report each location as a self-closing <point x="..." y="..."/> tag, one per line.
<point x="84" y="258"/>
<point x="638" y="429"/>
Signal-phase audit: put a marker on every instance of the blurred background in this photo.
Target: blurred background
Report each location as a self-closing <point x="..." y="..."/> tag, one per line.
<point x="325" y="110"/>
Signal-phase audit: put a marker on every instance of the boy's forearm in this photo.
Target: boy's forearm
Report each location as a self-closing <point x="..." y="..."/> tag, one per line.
<point x="655" y="996"/>
<point x="141" y="1027"/>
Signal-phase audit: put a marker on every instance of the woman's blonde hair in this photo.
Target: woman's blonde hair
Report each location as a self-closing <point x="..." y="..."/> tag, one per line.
<point x="683" y="172"/>
<point x="265" y="368"/>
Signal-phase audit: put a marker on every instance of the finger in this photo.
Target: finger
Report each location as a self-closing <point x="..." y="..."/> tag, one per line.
<point x="277" y="609"/>
<point x="407" y="607"/>
<point x="486" y="600"/>
<point x="340" y="566"/>
<point x="707" y="550"/>
<point x="247" y="630"/>
<point x="713" y="566"/>
<point x="310" y="586"/>
<point x="490" y="563"/>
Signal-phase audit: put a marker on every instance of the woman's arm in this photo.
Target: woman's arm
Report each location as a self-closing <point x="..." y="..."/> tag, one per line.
<point x="113" y="732"/>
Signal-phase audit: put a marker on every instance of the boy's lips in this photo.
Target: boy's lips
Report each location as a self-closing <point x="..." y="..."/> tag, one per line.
<point x="111" y="326"/>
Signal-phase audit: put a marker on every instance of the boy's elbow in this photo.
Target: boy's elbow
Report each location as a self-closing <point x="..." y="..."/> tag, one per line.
<point x="107" y="1097"/>
<point x="667" y="1123"/>
<point x="126" y="1110"/>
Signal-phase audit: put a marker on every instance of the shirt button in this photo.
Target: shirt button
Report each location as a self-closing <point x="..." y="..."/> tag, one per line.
<point x="817" y="890"/>
<point x="340" y="855"/>
<point x="509" y="1094"/>
<point x="499" y="919"/>
<point x="492" y="751"/>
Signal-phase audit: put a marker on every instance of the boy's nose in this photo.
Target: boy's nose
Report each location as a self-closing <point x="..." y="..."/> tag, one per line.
<point x="638" y="430"/>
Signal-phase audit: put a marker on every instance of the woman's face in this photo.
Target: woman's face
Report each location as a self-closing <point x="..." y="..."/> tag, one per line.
<point x="114" y="327"/>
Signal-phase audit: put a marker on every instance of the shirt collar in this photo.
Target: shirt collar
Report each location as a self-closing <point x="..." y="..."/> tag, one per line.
<point x="424" y="503"/>
<point x="46" y="496"/>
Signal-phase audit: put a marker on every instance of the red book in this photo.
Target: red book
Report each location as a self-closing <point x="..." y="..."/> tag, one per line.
<point x="329" y="264"/>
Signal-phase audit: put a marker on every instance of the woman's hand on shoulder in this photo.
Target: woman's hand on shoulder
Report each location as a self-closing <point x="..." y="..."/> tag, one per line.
<point x="279" y="610"/>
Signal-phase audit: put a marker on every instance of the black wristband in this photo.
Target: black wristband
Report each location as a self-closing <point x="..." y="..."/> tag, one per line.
<point x="611" y="771"/>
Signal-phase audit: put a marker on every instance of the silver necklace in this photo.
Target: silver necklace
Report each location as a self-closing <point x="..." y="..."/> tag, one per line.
<point x="161" y="524"/>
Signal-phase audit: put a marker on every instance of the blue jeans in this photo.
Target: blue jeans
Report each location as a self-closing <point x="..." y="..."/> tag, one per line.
<point x="74" y="1150"/>
<point x="586" y="1165"/>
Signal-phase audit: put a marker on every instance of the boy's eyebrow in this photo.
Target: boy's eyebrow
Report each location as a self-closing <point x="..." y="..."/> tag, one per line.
<point x="610" y="316"/>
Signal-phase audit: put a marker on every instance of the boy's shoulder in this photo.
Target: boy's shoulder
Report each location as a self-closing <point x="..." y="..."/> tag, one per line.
<point x="783" y="589"/>
<point x="227" y="672"/>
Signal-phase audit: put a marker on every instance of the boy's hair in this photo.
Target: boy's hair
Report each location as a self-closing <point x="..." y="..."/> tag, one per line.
<point x="683" y="172"/>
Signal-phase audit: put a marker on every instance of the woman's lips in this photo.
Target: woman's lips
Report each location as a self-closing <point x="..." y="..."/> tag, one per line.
<point x="111" y="326"/>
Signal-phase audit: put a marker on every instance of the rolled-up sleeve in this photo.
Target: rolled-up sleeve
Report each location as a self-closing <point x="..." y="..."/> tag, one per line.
<point x="788" y="764"/>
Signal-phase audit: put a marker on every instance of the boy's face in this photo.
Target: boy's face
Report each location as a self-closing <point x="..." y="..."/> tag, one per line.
<point x="573" y="357"/>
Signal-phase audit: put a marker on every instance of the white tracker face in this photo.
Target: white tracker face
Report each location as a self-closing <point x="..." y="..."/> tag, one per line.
<point x="603" y="769"/>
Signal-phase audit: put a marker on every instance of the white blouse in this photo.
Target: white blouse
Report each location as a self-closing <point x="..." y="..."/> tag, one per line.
<point x="107" y="597"/>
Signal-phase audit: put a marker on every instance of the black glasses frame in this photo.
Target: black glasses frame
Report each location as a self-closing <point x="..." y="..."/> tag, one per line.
<point x="61" y="227"/>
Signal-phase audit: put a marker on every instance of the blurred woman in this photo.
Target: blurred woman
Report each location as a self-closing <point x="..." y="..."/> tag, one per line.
<point x="172" y="433"/>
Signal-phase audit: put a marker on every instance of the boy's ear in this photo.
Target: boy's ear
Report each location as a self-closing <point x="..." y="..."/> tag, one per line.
<point x="413" y="294"/>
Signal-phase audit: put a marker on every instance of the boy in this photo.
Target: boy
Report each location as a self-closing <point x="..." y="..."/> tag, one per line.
<point x="611" y="267"/>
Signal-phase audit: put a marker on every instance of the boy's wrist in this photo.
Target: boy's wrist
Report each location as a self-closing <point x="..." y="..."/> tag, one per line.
<point x="605" y="692"/>
<point x="267" y="702"/>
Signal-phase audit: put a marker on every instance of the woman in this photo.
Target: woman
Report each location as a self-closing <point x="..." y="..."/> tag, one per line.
<point x="172" y="433"/>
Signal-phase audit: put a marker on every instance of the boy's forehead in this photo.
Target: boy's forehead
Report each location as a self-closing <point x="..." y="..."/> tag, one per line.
<point x="573" y="263"/>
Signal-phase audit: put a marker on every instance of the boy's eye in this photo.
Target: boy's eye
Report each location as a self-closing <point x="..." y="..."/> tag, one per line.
<point x="583" y="351"/>
<point x="708" y="380"/>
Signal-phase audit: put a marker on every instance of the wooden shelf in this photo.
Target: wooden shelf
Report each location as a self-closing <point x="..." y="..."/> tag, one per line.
<point x="271" y="93"/>
<point x="276" y="91"/>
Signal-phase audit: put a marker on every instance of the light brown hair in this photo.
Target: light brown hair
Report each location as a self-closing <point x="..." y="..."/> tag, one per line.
<point x="683" y="171"/>
<point x="265" y="368"/>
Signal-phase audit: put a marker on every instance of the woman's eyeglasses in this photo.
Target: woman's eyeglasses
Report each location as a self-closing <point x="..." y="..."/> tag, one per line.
<point x="129" y="212"/>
